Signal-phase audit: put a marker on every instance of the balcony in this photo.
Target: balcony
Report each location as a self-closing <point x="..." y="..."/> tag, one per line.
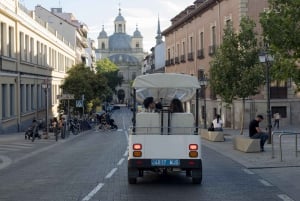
<point x="167" y="63"/>
<point x="182" y="58"/>
<point x="177" y="60"/>
<point x="191" y="56"/>
<point x="212" y="50"/>
<point x="200" y="54"/>
<point x="172" y="62"/>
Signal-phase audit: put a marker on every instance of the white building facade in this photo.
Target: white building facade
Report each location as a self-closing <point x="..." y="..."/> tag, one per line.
<point x="32" y="56"/>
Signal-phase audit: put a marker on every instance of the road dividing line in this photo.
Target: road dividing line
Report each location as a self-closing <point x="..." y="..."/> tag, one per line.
<point x="248" y="171"/>
<point x="93" y="192"/>
<point x="121" y="161"/>
<point x="126" y="134"/>
<point x="285" y="197"/>
<point x="264" y="182"/>
<point x="111" y="173"/>
<point x="126" y="153"/>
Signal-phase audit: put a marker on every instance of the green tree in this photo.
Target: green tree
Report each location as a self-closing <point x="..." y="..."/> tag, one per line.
<point x="282" y="31"/>
<point x="235" y="72"/>
<point x="110" y="71"/>
<point x="82" y="80"/>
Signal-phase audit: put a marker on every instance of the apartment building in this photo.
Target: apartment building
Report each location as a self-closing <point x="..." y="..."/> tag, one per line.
<point x="191" y="42"/>
<point x="33" y="62"/>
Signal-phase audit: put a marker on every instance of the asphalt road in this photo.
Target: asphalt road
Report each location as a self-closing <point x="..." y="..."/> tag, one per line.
<point x="92" y="166"/>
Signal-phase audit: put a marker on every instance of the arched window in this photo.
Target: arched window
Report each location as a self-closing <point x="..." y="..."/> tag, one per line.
<point x="137" y="45"/>
<point x="103" y="46"/>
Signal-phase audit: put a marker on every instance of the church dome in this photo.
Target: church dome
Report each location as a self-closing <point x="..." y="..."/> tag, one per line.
<point x="102" y="34"/>
<point x="123" y="58"/>
<point x="120" y="18"/>
<point x="137" y="34"/>
<point x="119" y="41"/>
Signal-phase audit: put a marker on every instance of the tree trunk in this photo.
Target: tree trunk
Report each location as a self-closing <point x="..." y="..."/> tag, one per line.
<point x="243" y="115"/>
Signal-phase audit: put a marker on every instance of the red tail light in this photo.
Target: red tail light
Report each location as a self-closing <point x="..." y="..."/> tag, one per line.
<point x="193" y="147"/>
<point x="137" y="146"/>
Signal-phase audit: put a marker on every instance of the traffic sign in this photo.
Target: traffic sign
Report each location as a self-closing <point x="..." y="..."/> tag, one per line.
<point x="65" y="96"/>
<point x="79" y="103"/>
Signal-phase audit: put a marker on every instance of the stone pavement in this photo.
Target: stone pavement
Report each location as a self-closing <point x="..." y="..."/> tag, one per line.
<point x="284" y="174"/>
<point x="260" y="159"/>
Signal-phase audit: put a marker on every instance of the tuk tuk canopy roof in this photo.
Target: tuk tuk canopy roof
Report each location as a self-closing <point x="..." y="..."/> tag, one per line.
<point x="165" y="86"/>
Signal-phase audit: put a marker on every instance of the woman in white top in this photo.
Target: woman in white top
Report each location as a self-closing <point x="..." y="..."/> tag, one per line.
<point x="218" y="123"/>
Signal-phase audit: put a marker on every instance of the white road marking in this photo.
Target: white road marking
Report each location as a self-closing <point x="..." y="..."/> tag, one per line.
<point x="15" y="146"/>
<point x="248" y="171"/>
<point x="93" y="192"/>
<point x="120" y="130"/>
<point x="285" y="197"/>
<point x="111" y="173"/>
<point x="8" y="149"/>
<point x="264" y="182"/>
<point x="5" y="162"/>
<point x="126" y="153"/>
<point x="126" y="134"/>
<point x="121" y="161"/>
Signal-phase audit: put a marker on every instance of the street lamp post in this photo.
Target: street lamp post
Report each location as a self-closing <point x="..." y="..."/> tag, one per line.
<point x="203" y="84"/>
<point x="266" y="58"/>
<point x="45" y="87"/>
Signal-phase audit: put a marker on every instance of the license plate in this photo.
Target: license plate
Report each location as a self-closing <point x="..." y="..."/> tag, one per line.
<point x="165" y="162"/>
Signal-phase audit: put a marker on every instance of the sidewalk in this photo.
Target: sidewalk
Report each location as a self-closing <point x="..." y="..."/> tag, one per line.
<point x="260" y="159"/>
<point x="284" y="174"/>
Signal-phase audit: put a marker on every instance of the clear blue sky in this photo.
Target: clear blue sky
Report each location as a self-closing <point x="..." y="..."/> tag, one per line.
<point x="95" y="13"/>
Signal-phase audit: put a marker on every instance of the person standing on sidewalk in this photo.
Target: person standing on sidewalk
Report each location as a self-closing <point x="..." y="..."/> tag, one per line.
<point x="255" y="132"/>
<point x="276" y="120"/>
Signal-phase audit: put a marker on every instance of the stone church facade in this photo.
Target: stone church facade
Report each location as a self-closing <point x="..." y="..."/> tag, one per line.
<point x="126" y="51"/>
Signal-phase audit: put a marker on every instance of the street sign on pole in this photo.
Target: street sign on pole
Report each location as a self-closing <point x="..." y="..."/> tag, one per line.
<point x="79" y="103"/>
<point x="65" y="96"/>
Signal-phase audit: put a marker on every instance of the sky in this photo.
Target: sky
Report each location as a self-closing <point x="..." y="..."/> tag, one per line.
<point x="137" y="13"/>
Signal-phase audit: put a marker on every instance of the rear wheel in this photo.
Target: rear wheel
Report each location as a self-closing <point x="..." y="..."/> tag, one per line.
<point x="132" y="180"/>
<point x="197" y="176"/>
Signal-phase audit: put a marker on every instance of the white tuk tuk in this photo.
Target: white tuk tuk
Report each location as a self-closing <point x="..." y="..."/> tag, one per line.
<point x="163" y="141"/>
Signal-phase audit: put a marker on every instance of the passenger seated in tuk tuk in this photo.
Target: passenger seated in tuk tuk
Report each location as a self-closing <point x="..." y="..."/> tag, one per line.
<point x="176" y="106"/>
<point x="149" y="104"/>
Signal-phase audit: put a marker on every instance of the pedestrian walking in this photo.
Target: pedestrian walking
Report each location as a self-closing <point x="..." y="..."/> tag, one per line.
<point x="276" y="120"/>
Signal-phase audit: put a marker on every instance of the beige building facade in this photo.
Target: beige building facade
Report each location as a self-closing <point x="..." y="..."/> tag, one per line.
<point x="191" y="42"/>
<point x="32" y="57"/>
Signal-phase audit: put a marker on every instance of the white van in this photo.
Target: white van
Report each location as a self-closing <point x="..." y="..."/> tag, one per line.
<point x="163" y="141"/>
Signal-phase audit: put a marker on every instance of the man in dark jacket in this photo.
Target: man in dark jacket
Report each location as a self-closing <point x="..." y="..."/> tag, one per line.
<point x="256" y="133"/>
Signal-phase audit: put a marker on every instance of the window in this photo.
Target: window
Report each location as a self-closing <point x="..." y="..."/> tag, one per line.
<point x="279" y="109"/>
<point x="278" y="90"/>
<point x="137" y="45"/>
<point x="133" y="75"/>
<point x="120" y="28"/>
<point x="12" y="99"/>
<point x="11" y="42"/>
<point x="31" y="50"/>
<point x="4" y="102"/>
<point x="26" y="50"/>
<point x="3" y="39"/>
<point x="102" y="45"/>
<point x="213" y="36"/>
<point x="22" y="56"/>
<point x="201" y="40"/>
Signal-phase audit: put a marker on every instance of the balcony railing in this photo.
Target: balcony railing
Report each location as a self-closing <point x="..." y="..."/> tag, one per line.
<point x="172" y="62"/>
<point x="200" y="54"/>
<point x="182" y="58"/>
<point x="212" y="50"/>
<point x="191" y="56"/>
<point x="167" y="62"/>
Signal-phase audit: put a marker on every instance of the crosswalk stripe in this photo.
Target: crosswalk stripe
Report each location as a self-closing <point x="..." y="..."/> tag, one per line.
<point x="8" y="149"/>
<point x="15" y="146"/>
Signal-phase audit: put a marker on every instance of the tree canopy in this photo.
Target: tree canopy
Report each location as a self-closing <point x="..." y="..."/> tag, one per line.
<point x="282" y="32"/>
<point x="235" y="72"/>
<point x="109" y="70"/>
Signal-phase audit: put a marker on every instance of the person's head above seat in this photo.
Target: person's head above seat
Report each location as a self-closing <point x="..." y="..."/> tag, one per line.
<point x="149" y="103"/>
<point x="176" y="105"/>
